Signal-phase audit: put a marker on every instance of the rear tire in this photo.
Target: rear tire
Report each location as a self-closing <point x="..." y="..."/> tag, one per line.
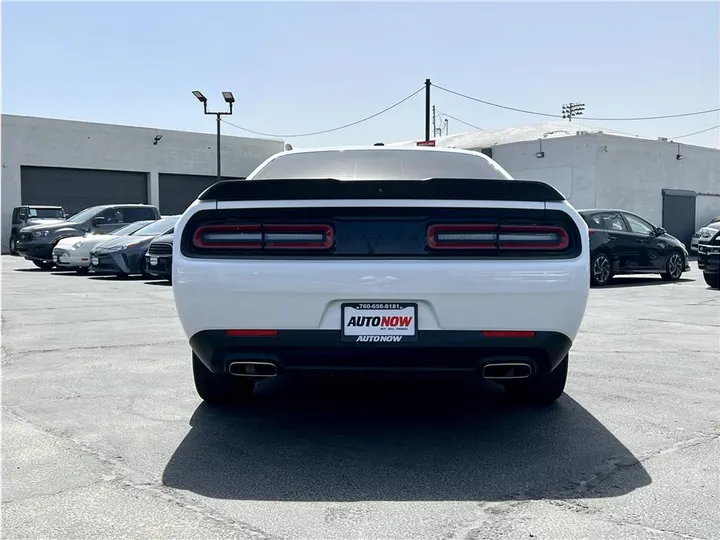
<point x="44" y="265"/>
<point x="600" y="270"/>
<point x="220" y="388"/>
<point x="541" y="389"/>
<point x="713" y="280"/>
<point x="674" y="267"/>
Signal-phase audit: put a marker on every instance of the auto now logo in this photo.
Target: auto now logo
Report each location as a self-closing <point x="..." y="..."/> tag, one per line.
<point x="379" y="338"/>
<point x="394" y="321"/>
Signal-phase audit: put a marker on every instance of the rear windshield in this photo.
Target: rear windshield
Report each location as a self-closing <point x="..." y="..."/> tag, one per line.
<point x="379" y="164"/>
<point x="161" y="226"/>
<point x="46" y="213"/>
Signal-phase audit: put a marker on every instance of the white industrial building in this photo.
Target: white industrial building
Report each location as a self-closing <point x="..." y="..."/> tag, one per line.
<point x="670" y="184"/>
<point x="81" y="164"/>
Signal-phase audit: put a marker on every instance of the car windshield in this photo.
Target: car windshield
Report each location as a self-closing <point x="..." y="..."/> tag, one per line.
<point x="127" y="230"/>
<point x="380" y="164"/>
<point x="84" y="215"/>
<point x="161" y="226"/>
<point x="46" y="213"/>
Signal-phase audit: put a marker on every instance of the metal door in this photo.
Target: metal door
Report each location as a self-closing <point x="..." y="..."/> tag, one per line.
<point x="678" y="215"/>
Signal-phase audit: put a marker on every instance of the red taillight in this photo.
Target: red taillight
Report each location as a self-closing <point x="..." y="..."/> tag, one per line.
<point x="533" y="237"/>
<point x="461" y="236"/>
<point x="257" y="236"/>
<point x="508" y="333"/>
<point x="502" y="237"/>
<point x="590" y="232"/>
<point x="251" y="333"/>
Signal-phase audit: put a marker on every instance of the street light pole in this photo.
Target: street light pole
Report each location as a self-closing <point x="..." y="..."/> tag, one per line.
<point x="229" y="99"/>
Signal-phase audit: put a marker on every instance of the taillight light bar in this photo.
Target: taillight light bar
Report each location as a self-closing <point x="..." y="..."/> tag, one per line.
<point x="461" y="236"/>
<point x="502" y="237"/>
<point x="259" y="236"/>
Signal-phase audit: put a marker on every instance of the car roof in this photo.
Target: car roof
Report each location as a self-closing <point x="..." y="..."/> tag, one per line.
<point x="38" y="206"/>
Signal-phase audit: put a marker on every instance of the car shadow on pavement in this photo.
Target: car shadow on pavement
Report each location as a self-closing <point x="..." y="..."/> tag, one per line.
<point x="160" y="283"/>
<point x="635" y="281"/>
<point x="399" y="441"/>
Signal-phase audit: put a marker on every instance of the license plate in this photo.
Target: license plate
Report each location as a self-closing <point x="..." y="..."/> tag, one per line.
<point x="94" y="260"/>
<point x="153" y="261"/>
<point x="379" y="322"/>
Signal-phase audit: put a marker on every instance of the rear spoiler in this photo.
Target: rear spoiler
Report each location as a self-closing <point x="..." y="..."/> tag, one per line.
<point x="430" y="188"/>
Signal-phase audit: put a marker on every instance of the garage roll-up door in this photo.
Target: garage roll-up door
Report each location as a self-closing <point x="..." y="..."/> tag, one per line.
<point x="178" y="191"/>
<point x="75" y="189"/>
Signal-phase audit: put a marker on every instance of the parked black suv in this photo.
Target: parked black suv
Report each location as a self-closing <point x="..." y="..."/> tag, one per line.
<point x="32" y="214"/>
<point x="709" y="254"/>
<point x="624" y="243"/>
<point x="36" y="242"/>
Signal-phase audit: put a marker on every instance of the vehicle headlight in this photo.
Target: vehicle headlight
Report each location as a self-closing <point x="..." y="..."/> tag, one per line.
<point x="40" y="234"/>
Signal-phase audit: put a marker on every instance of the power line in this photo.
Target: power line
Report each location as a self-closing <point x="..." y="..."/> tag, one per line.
<point x="536" y="113"/>
<point x="461" y="121"/>
<point x="290" y="136"/>
<point x="696" y="132"/>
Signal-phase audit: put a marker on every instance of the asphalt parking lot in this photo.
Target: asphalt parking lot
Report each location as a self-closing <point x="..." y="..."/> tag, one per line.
<point x="103" y="435"/>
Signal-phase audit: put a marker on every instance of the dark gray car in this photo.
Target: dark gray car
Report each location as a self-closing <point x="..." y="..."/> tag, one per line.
<point x="36" y="242"/>
<point x="125" y="255"/>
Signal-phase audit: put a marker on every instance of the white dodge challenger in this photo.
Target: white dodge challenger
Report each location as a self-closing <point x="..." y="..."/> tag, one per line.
<point x="380" y="259"/>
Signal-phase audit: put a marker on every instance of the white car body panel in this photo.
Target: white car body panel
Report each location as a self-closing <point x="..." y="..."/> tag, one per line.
<point x="549" y="295"/>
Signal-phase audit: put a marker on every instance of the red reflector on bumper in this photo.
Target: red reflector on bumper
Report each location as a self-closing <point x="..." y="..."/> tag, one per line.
<point x="252" y="333"/>
<point x="508" y="333"/>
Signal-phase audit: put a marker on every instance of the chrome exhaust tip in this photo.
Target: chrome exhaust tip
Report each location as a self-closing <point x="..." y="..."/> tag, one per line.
<point x="507" y="370"/>
<point x="261" y="370"/>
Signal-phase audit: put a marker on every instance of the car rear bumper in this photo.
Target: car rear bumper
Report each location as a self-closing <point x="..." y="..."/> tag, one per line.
<point x="459" y="352"/>
<point x="161" y="268"/>
<point x="540" y="296"/>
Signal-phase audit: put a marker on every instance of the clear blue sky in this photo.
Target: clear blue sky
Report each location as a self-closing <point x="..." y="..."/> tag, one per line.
<point x="300" y="67"/>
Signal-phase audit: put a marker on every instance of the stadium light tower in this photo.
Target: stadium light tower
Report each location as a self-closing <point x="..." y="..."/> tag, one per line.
<point x="572" y="109"/>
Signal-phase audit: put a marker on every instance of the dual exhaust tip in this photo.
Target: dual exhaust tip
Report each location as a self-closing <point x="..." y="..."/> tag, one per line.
<point x="493" y="371"/>
<point x="507" y="370"/>
<point x="260" y="370"/>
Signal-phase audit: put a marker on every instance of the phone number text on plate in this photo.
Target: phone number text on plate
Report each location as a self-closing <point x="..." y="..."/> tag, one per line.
<point x="377" y="306"/>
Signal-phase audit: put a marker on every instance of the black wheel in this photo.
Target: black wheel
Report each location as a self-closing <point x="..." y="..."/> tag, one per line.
<point x="13" y="244"/>
<point x="600" y="270"/>
<point x="220" y="388"/>
<point x="44" y="265"/>
<point x="674" y="267"/>
<point x="713" y="280"/>
<point x="82" y="271"/>
<point x="540" y="389"/>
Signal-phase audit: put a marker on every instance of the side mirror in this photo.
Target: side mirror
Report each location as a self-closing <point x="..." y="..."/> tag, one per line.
<point x="97" y="221"/>
<point x="66" y="215"/>
<point x="660" y="231"/>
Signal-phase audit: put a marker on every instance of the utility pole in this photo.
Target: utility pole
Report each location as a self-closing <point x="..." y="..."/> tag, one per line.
<point x="229" y="99"/>
<point x="427" y="109"/>
<point x="572" y="109"/>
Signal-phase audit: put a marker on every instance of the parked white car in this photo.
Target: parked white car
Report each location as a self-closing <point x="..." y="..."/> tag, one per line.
<point x="381" y="259"/>
<point x="74" y="253"/>
<point x="696" y="237"/>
